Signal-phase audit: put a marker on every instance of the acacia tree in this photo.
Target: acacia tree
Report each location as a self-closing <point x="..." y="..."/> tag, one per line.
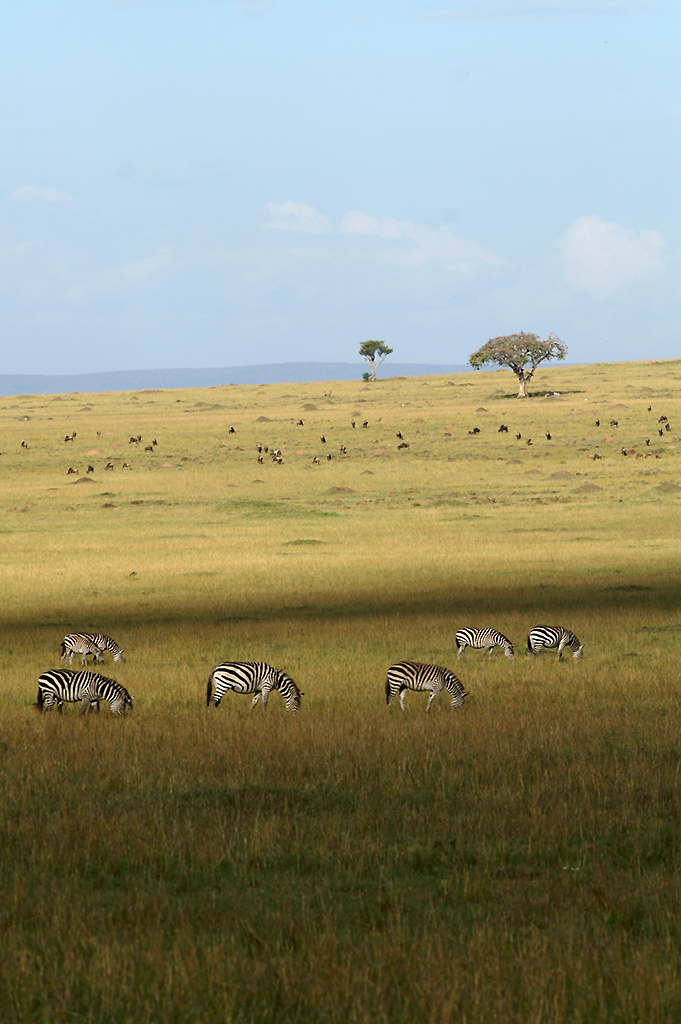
<point x="521" y="353"/>
<point x="374" y="352"/>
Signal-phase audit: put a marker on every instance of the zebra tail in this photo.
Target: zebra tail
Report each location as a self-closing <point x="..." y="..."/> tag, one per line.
<point x="209" y="691"/>
<point x="387" y="690"/>
<point x="40" y="700"/>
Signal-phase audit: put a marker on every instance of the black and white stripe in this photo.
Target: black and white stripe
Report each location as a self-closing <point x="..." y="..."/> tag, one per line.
<point x="413" y="675"/>
<point x="487" y="639"/>
<point x="89" y="643"/>
<point x="256" y="677"/>
<point x="60" y="686"/>
<point x="553" y="636"/>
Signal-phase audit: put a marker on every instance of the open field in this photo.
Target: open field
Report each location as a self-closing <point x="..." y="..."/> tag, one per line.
<point x="517" y="860"/>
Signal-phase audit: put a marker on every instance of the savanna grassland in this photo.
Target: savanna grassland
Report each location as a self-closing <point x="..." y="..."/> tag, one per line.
<point x="517" y="860"/>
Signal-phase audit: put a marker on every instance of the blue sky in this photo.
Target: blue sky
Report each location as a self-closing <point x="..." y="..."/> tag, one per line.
<point x="190" y="183"/>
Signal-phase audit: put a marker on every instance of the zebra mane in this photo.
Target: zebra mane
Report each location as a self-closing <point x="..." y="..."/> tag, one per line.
<point x="283" y="679"/>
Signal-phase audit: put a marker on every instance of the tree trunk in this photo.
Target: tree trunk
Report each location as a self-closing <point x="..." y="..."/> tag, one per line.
<point x="522" y="389"/>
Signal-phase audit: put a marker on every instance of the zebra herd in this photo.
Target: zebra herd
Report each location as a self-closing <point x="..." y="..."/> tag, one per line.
<point x="57" y="687"/>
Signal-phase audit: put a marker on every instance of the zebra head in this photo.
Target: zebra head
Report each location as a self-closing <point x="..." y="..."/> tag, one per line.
<point x="455" y="688"/>
<point x="118" y="655"/>
<point x="579" y="653"/>
<point x="288" y="690"/>
<point x="508" y="651"/>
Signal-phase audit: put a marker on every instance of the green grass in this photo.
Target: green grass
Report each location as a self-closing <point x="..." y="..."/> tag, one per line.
<point x="518" y="860"/>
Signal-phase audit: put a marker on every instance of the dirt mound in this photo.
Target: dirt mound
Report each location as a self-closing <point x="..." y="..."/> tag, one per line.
<point x="562" y="474"/>
<point x="311" y="408"/>
<point x="340" y="490"/>
<point x="587" y="489"/>
<point x="263" y="419"/>
<point x="668" y="488"/>
<point x="481" y="408"/>
<point x="82" y="480"/>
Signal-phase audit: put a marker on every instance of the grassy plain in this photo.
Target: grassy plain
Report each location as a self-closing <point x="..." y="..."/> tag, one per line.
<point x="518" y="860"/>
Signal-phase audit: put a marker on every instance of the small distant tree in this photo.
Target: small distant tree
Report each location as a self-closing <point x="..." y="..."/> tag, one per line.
<point x="374" y="352"/>
<point x="521" y="353"/>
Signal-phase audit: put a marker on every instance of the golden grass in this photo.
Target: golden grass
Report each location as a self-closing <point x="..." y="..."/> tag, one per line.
<point x="517" y="860"/>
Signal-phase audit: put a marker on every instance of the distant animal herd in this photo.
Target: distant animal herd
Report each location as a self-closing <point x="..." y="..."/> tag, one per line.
<point x="57" y="687"/>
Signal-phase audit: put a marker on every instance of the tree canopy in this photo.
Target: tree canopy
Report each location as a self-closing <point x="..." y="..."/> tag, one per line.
<point x="521" y="353"/>
<point x="374" y="352"/>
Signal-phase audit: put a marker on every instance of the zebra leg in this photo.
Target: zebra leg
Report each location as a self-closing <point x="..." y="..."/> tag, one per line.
<point x="84" y="705"/>
<point x="460" y="652"/>
<point x="403" y="690"/>
<point x="560" y="652"/>
<point x="265" y="695"/>
<point x="255" y="701"/>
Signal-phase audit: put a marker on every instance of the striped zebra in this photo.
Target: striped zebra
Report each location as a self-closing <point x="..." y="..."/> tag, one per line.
<point x="413" y="675"/>
<point x="65" y="686"/>
<point x="553" y="636"/>
<point x="254" y="677"/>
<point x="487" y="639"/>
<point x="89" y="643"/>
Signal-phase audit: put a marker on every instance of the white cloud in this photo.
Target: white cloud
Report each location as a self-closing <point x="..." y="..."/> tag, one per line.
<point x="22" y="249"/>
<point x="50" y="195"/>
<point x="603" y="257"/>
<point x="292" y="216"/>
<point x="425" y="244"/>
<point x="531" y="8"/>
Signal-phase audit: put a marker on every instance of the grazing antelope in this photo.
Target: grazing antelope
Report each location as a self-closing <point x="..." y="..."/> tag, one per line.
<point x="647" y="441"/>
<point x="405" y="444"/>
<point x="503" y="429"/>
<point x="661" y="432"/>
<point x="475" y="430"/>
<point x="548" y="435"/>
<point x="109" y="465"/>
<point x="528" y="441"/>
<point x="300" y="423"/>
<point x="399" y="434"/>
<point x="260" y="460"/>
<point x="71" y="470"/>
<point x="366" y="423"/>
<point x="24" y="445"/>
<point x="315" y="461"/>
<point x="90" y="469"/>
<point x="662" y="419"/>
<point x="518" y="437"/>
<point x="353" y="424"/>
<point x="126" y="465"/>
<point x="149" y="448"/>
<point x="231" y="430"/>
<point x="598" y="423"/>
<point x="614" y="423"/>
<point x="322" y="439"/>
<point x="343" y="450"/>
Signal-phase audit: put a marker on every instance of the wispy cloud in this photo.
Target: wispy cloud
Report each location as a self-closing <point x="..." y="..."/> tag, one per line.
<point x="50" y="195"/>
<point x="604" y="258"/>
<point x="22" y="249"/>
<point x="424" y="244"/>
<point x="292" y="216"/>
<point x="484" y="9"/>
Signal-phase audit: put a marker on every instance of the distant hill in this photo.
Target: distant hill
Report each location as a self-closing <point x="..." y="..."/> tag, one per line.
<point x="273" y="373"/>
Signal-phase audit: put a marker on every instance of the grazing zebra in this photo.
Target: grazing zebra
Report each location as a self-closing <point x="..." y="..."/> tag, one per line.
<point x="553" y="636"/>
<point x="254" y="677"/>
<point x="89" y="643"/>
<point x="487" y="639"/>
<point x="59" y="686"/>
<point x="413" y="675"/>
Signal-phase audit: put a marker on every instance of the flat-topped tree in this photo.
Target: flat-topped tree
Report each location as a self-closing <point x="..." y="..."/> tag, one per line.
<point x="374" y="352"/>
<point x="521" y="353"/>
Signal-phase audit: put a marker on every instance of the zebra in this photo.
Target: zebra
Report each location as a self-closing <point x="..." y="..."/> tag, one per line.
<point x="553" y="636"/>
<point x="89" y="643"/>
<point x="487" y="639"/>
<point x="413" y="675"/>
<point x="59" y="686"/>
<point x="254" y="677"/>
